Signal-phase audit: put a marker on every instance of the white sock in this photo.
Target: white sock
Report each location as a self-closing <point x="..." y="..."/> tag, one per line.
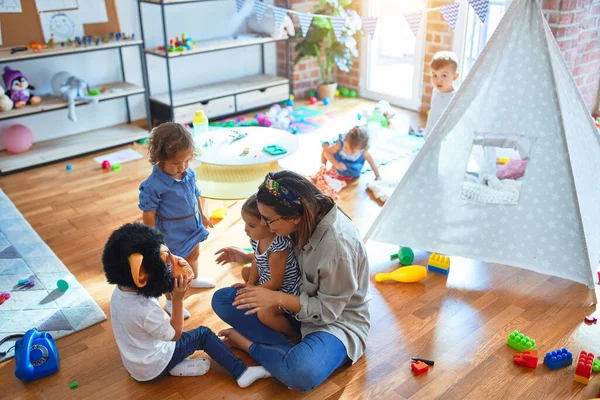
<point x="169" y="309"/>
<point x="251" y="375"/>
<point x="202" y="283"/>
<point x="191" y="367"/>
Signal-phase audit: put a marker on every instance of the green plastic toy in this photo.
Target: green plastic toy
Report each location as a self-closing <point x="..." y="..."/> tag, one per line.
<point x="274" y="150"/>
<point x="520" y="341"/>
<point x="73" y="385"/>
<point x="405" y="256"/>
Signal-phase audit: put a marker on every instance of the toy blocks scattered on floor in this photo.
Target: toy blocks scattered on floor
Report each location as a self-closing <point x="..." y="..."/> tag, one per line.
<point x="439" y="263"/>
<point x="527" y="358"/>
<point x="585" y="364"/>
<point x="596" y="365"/>
<point x="558" y="359"/>
<point x="520" y="341"/>
<point x="419" y="367"/>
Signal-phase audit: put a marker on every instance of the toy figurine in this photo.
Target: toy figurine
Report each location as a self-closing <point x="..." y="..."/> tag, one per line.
<point x="19" y="89"/>
<point x="6" y="103"/>
<point x="73" y="89"/>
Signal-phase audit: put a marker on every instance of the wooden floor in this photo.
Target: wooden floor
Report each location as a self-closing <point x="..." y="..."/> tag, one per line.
<point x="461" y="321"/>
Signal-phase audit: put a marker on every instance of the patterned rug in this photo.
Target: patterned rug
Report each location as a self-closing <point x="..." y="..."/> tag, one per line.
<point x="304" y="119"/>
<point x="24" y="255"/>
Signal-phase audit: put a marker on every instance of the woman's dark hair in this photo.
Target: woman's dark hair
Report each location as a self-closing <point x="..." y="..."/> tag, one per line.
<point x="167" y="139"/>
<point x="251" y="206"/>
<point x="314" y="204"/>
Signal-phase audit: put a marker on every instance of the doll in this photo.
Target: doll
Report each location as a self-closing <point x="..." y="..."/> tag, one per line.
<point x="18" y="88"/>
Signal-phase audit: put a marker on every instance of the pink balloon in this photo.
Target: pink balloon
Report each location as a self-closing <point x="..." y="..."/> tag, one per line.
<point x="17" y="138"/>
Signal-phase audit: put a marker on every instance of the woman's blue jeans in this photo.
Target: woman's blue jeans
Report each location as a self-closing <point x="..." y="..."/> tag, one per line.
<point x="303" y="366"/>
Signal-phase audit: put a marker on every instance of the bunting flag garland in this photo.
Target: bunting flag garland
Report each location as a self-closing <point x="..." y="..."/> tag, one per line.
<point x="338" y="24"/>
<point x="481" y="7"/>
<point x="239" y="4"/>
<point x="414" y="21"/>
<point x="450" y="13"/>
<point x="370" y="24"/>
<point x="279" y="14"/>
<point x="305" y="20"/>
<point x="259" y="9"/>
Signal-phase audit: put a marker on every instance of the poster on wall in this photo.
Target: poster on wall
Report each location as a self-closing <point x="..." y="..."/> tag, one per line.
<point x="55" y="5"/>
<point x="61" y="25"/>
<point x="10" y="6"/>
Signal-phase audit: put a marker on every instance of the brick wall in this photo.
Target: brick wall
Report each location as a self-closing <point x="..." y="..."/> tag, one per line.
<point x="438" y="37"/>
<point x="576" y="27"/>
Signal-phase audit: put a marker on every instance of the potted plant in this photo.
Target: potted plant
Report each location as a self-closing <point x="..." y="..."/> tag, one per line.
<point x="320" y="42"/>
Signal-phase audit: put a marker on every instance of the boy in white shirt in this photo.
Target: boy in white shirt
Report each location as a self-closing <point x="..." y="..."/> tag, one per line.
<point x="444" y="68"/>
<point x="151" y="343"/>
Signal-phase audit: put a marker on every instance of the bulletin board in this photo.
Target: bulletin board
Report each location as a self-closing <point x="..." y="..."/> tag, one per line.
<point x="19" y="29"/>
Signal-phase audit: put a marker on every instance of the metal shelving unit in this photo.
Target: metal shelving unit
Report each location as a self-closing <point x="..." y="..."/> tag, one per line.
<point x="217" y="99"/>
<point x="69" y="146"/>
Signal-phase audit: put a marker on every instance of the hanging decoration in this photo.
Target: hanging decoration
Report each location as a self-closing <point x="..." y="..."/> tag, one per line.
<point x="259" y="9"/>
<point x="414" y="21"/>
<point x="450" y="13"/>
<point x="305" y="20"/>
<point x="481" y="7"/>
<point x="338" y="24"/>
<point x="239" y="4"/>
<point x="370" y="24"/>
<point x="279" y="14"/>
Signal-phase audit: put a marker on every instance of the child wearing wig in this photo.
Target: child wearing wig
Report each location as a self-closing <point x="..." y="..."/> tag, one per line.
<point x="151" y="343"/>
<point x="170" y="199"/>
<point x="274" y="267"/>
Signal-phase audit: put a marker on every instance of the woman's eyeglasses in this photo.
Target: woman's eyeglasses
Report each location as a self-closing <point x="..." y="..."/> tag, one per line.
<point x="271" y="221"/>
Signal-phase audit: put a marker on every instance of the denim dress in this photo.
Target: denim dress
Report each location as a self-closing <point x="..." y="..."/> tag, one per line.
<point x="176" y="204"/>
<point x="354" y="162"/>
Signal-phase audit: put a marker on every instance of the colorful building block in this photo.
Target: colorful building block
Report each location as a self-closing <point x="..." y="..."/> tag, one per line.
<point x="585" y="364"/>
<point x="596" y="365"/>
<point x="520" y="341"/>
<point x="558" y="359"/>
<point x="527" y="358"/>
<point x="419" y="367"/>
<point x="439" y="263"/>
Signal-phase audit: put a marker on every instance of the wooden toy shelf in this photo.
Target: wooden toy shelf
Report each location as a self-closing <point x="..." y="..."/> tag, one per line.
<point x="69" y="146"/>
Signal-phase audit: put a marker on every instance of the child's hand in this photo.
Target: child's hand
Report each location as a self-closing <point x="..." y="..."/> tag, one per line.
<point x="377" y="178"/>
<point x="239" y="285"/>
<point x="180" y="286"/>
<point x="206" y="221"/>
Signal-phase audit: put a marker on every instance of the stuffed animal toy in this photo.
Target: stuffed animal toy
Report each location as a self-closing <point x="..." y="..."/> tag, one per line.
<point x="135" y="257"/>
<point x="6" y="103"/>
<point x="73" y="89"/>
<point x="268" y="26"/>
<point x="18" y="88"/>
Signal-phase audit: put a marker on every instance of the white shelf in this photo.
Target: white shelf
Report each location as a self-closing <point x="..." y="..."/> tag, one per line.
<point x="223" y="43"/>
<point x="6" y="56"/>
<point x="51" y="103"/>
<point x="70" y="146"/>
<point x="219" y="89"/>
<point x="174" y="1"/>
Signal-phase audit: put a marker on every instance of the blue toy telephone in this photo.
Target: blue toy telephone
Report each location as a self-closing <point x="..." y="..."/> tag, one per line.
<point x="36" y="355"/>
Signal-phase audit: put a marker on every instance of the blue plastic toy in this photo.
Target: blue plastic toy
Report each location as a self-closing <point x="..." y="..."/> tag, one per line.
<point x="36" y="356"/>
<point x="69" y="167"/>
<point x="290" y="103"/>
<point x="558" y="359"/>
<point x="326" y="101"/>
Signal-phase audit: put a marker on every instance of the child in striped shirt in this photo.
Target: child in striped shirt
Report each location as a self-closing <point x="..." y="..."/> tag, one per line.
<point x="274" y="267"/>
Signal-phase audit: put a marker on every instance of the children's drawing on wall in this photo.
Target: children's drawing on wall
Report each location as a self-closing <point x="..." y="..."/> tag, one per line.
<point x="10" y="6"/>
<point x="62" y="25"/>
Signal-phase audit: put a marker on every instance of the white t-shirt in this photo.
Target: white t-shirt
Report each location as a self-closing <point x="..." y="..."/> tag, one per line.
<point x="439" y="102"/>
<point x="143" y="333"/>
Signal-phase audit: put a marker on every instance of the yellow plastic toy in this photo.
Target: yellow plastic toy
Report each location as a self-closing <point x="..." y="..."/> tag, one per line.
<point x="502" y="160"/>
<point x="219" y="213"/>
<point x="410" y="274"/>
<point x="439" y="263"/>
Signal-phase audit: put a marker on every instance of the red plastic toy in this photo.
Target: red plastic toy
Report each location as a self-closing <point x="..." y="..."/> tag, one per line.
<point x="527" y="358"/>
<point x="590" y="319"/>
<point x="105" y="164"/>
<point x="584" y="367"/>
<point x="312" y="100"/>
<point x="419" y="367"/>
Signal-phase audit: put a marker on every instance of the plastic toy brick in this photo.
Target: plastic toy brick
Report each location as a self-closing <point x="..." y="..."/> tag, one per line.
<point x="558" y="359"/>
<point x="585" y="364"/>
<point x="596" y="365"/>
<point x="520" y="341"/>
<point x="439" y="263"/>
<point x="528" y="358"/>
<point x="274" y="150"/>
<point x="419" y="367"/>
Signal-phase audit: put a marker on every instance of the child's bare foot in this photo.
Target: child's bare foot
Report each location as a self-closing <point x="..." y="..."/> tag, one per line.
<point x="236" y="340"/>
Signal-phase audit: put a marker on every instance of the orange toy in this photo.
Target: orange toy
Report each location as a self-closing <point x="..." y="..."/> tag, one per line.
<point x="36" y="47"/>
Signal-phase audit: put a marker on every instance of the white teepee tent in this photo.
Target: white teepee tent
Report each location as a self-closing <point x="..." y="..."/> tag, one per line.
<point x="519" y="89"/>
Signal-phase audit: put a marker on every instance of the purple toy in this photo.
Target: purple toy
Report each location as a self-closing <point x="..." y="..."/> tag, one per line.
<point x="18" y="88"/>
